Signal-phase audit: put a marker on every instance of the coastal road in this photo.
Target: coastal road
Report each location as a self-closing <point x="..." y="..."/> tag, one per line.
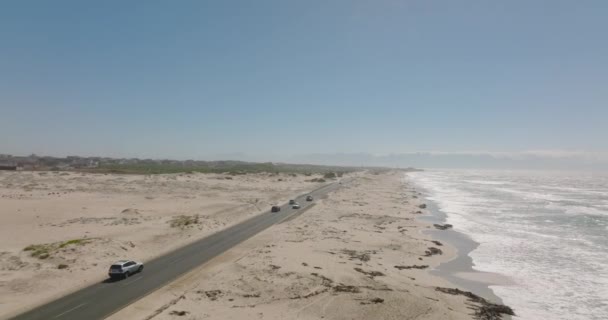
<point x="100" y="300"/>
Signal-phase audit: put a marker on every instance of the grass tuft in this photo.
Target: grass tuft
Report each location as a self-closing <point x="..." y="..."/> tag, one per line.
<point x="39" y="250"/>
<point x="44" y="251"/>
<point x="75" y="242"/>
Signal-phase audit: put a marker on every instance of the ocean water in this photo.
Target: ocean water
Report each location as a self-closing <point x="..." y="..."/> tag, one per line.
<point x="547" y="231"/>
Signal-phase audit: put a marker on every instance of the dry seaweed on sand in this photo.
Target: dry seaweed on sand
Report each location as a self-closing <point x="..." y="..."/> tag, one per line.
<point x="346" y="288"/>
<point x="432" y="251"/>
<point x="370" y="274"/>
<point x="485" y="310"/>
<point x="358" y="255"/>
<point x="411" y="267"/>
<point x="442" y="226"/>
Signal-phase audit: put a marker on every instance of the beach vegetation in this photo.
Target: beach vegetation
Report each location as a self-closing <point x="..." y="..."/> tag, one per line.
<point x="81" y="242"/>
<point x="44" y="251"/>
<point x="184" y="221"/>
<point x="39" y="250"/>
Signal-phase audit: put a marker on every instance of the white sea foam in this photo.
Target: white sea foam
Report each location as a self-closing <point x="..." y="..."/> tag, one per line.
<point x="546" y="231"/>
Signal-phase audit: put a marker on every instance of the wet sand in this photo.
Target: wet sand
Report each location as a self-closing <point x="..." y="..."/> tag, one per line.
<point x="460" y="269"/>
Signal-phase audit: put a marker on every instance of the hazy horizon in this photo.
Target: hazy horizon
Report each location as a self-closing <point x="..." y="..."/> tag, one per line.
<point x="532" y="160"/>
<point x="519" y="84"/>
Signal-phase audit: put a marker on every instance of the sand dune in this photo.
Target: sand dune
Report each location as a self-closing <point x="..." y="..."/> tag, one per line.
<point x="74" y="225"/>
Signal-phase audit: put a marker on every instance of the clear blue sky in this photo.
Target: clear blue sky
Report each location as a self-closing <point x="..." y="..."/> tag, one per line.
<point x="193" y="79"/>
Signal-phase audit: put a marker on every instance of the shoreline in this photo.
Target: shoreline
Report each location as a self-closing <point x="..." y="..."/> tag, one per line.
<point x="458" y="270"/>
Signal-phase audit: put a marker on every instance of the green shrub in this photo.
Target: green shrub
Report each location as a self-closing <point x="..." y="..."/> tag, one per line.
<point x="329" y="175"/>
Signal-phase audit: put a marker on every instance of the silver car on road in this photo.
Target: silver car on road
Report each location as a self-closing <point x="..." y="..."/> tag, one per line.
<point x="124" y="268"/>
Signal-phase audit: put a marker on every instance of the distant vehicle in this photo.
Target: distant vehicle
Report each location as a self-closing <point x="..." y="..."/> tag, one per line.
<point x="275" y="209"/>
<point x="295" y="206"/>
<point x="124" y="268"/>
<point x="292" y="201"/>
<point x="309" y="198"/>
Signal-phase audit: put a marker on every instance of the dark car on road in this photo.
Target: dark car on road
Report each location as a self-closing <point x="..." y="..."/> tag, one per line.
<point x="309" y="198"/>
<point x="292" y="201"/>
<point x="275" y="209"/>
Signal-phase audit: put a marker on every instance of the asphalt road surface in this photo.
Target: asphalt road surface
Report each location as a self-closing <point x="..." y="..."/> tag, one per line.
<point x="100" y="300"/>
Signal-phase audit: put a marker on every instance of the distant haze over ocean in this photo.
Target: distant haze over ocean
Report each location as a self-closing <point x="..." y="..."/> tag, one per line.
<point x="524" y="160"/>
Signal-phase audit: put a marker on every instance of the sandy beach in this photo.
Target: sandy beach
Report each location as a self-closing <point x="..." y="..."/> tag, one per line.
<point x="358" y="254"/>
<point x="60" y="230"/>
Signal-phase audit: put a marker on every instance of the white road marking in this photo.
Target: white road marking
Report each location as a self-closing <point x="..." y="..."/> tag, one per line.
<point x="76" y="307"/>
<point x="128" y="283"/>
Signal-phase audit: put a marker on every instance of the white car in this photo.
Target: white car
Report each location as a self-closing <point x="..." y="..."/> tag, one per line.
<point x="125" y="268"/>
<point x="295" y="206"/>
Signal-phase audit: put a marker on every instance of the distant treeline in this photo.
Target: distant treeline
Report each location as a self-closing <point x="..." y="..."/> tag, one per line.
<point x="230" y="167"/>
<point x="151" y="166"/>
